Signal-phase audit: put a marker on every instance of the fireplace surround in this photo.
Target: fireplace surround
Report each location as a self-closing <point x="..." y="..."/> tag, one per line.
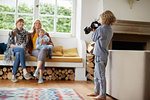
<point x="133" y="35"/>
<point x="128" y="67"/>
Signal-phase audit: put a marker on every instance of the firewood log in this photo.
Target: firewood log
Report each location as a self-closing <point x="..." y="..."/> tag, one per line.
<point x="69" y="71"/>
<point x="28" y="69"/>
<point x="9" y="75"/>
<point x="18" y="74"/>
<point x="49" y="71"/>
<point x="4" y="69"/>
<point x="66" y="78"/>
<point x="90" y="70"/>
<point x="90" y="77"/>
<point x="32" y="69"/>
<point x="89" y="56"/>
<point x="20" y="69"/>
<point x="1" y="72"/>
<point x="50" y="77"/>
<point x="66" y="73"/>
<point x="71" y="77"/>
<point x="20" y="77"/>
<point x="90" y="47"/>
<point x="45" y="73"/>
<point x="53" y="69"/>
<point x="9" y="70"/>
<point x="59" y="71"/>
<point x="90" y="64"/>
<point x="63" y="71"/>
<point x="4" y="76"/>
<point x="47" y="77"/>
<point x="44" y="77"/>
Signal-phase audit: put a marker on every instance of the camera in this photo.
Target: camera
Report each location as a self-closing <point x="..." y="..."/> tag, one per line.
<point x="94" y="25"/>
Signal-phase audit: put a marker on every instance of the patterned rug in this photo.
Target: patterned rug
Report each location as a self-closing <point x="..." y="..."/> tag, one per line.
<point x="38" y="94"/>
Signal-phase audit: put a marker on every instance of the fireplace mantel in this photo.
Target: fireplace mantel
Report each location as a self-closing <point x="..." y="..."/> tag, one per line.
<point x="131" y="32"/>
<point x="131" y="27"/>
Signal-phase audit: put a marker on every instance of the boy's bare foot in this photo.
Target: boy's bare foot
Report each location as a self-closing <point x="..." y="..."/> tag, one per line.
<point x="99" y="98"/>
<point x="92" y="94"/>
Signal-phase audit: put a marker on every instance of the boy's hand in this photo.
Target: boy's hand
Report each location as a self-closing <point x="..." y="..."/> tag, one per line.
<point x="42" y="41"/>
<point x="93" y="30"/>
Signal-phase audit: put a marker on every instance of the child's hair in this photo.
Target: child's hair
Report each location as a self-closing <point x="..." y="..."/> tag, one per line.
<point x="41" y="30"/>
<point x="108" y="17"/>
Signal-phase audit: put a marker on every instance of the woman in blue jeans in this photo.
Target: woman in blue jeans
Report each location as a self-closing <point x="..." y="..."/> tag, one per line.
<point x="18" y="44"/>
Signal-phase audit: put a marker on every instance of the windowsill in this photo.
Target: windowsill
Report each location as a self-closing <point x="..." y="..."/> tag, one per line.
<point x="62" y="35"/>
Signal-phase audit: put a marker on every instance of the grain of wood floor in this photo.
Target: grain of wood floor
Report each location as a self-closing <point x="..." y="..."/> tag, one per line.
<point x="82" y="87"/>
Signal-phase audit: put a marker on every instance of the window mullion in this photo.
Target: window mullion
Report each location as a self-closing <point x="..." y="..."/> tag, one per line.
<point x="55" y="16"/>
<point x="73" y="22"/>
<point x="16" y="10"/>
<point x="36" y="10"/>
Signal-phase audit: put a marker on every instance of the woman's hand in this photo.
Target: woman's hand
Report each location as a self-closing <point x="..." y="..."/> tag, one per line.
<point x="12" y="45"/>
<point x="27" y="51"/>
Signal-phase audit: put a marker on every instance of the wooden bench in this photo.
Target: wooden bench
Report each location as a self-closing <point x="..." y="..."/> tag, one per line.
<point x="78" y="63"/>
<point x="56" y="61"/>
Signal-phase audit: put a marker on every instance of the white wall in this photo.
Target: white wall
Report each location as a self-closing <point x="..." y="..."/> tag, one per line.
<point x="87" y="12"/>
<point x="121" y="8"/>
<point x="90" y="10"/>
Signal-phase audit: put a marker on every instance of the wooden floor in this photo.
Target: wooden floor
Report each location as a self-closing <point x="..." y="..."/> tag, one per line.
<point x="82" y="88"/>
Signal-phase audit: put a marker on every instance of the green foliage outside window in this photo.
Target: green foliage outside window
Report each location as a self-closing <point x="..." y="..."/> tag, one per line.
<point x="48" y="23"/>
<point x="63" y="11"/>
<point x="7" y="21"/>
<point x="46" y="9"/>
<point x="23" y="8"/>
<point x="63" y="24"/>
<point x="5" y="8"/>
<point x="28" y="20"/>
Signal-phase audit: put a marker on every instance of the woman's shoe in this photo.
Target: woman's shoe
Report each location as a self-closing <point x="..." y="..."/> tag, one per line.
<point x="13" y="79"/>
<point x="36" y="74"/>
<point x="40" y="80"/>
<point x="26" y="76"/>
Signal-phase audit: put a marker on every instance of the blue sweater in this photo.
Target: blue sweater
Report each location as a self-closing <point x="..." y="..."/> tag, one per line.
<point x="102" y="37"/>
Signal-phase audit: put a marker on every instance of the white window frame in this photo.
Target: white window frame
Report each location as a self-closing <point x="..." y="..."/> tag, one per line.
<point x="60" y="34"/>
<point x="36" y="14"/>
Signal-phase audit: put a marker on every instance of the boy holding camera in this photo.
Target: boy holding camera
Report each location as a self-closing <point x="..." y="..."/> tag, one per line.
<point x="102" y="37"/>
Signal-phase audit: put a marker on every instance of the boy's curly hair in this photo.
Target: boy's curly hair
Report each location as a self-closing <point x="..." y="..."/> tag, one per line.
<point x="108" y="17"/>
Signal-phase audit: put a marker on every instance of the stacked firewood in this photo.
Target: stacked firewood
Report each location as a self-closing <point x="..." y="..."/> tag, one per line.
<point x="90" y="61"/>
<point x="49" y="73"/>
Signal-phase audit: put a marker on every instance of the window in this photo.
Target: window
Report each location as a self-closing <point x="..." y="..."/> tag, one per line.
<point x="10" y="10"/>
<point x="7" y="14"/>
<point x="56" y="15"/>
<point x="25" y="11"/>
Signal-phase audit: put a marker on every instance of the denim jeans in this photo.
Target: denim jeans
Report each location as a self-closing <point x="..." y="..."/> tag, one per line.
<point x="19" y="58"/>
<point x="99" y="76"/>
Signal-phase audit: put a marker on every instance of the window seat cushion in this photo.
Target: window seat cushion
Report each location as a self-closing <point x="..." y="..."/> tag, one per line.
<point x="54" y="59"/>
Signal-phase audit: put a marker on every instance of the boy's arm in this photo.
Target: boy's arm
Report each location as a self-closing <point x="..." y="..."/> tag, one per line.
<point x="46" y="38"/>
<point x="37" y="43"/>
<point x="96" y="34"/>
